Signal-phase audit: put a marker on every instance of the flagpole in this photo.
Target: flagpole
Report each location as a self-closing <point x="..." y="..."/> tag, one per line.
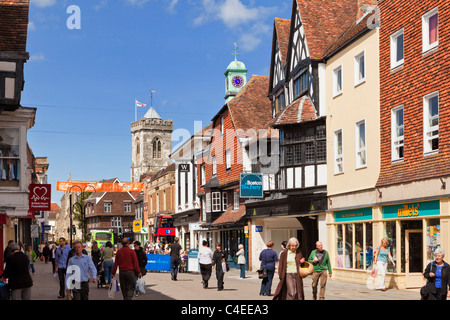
<point x="135" y="110"/>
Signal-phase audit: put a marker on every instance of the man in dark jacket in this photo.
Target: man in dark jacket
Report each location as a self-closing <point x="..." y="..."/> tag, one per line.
<point x="16" y="271"/>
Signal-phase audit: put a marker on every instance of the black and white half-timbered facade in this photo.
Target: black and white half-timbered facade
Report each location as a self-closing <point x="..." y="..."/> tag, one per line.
<point x="295" y="197"/>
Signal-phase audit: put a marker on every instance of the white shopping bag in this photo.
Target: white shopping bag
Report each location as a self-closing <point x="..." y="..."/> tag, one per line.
<point x="224" y="267"/>
<point x="140" y="285"/>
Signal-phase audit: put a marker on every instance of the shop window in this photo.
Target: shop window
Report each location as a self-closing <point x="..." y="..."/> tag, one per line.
<point x="357" y="253"/>
<point x="390" y="235"/>
<point x="433" y="238"/>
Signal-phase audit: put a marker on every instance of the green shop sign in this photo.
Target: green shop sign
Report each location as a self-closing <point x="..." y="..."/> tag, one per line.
<point x="353" y="215"/>
<point x="410" y="210"/>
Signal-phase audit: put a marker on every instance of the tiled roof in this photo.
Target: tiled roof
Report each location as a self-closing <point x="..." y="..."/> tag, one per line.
<point x="13" y="25"/>
<point x="282" y="28"/>
<point x="300" y="111"/>
<point x="324" y="21"/>
<point x="251" y="108"/>
<point x="230" y="216"/>
<point x="355" y="30"/>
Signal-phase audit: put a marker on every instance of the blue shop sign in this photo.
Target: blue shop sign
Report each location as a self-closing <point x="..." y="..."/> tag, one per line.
<point x="251" y="185"/>
<point x="410" y="210"/>
<point x="353" y="215"/>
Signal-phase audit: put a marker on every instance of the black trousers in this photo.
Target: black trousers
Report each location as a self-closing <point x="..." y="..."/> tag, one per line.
<point x="127" y="280"/>
<point x="82" y="293"/>
<point x="205" y="270"/>
<point x="219" y="275"/>
<point x="62" y="281"/>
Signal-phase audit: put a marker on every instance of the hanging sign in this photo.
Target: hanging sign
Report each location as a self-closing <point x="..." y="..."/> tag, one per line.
<point x="40" y="197"/>
<point x="251" y="185"/>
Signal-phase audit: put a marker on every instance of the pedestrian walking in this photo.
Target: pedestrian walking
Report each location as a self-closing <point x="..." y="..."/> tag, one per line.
<point x="96" y="254"/>
<point x="241" y="260"/>
<point x="52" y="256"/>
<point x="290" y="286"/>
<point x="205" y="259"/>
<point x="84" y="267"/>
<point x="322" y="270"/>
<point x="108" y="262"/>
<point x="31" y="258"/>
<point x="283" y="248"/>
<point x="41" y="251"/>
<point x="17" y="273"/>
<point x="46" y="252"/>
<point x="7" y="253"/>
<point x="175" y="252"/>
<point x="126" y="261"/>
<point x="268" y="258"/>
<point x="219" y="259"/>
<point x="61" y="257"/>
<point x="381" y="256"/>
<point x="437" y="274"/>
<point x="142" y="261"/>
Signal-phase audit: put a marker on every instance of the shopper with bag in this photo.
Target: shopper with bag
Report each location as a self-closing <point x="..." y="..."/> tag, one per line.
<point x="322" y="269"/>
<point x="142" y="261"/>
<point x="268" y="258"/>
<point x="381" y="256"/>
<point x="219" y="259"/>
<point x="437" y="274"/>
<point x="290" y="286"/>
<point x="127" y="262"/>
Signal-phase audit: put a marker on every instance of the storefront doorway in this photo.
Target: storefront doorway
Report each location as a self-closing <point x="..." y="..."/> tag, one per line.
<point x="414" y="258"/>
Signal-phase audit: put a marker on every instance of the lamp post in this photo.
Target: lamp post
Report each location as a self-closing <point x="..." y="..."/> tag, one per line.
<point x="82" y="211"/>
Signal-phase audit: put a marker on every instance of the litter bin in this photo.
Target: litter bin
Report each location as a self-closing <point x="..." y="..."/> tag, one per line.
<point x="192" y="261"/>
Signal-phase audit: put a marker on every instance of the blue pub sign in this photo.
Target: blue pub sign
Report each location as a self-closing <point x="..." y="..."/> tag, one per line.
<point x="251" y="185"/>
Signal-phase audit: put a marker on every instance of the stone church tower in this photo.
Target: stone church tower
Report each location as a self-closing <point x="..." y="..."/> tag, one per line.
<point x="151" y="144"/>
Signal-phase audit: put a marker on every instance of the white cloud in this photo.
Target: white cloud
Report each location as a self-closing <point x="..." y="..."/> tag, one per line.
<point x="137" y="2"/>
<point x="43" y="3"/>
<point x="248" y="21"/>
<point x="172" y="4"/>
<point x="101" y="5"/>
<point x="31" y="26"/>
<point x="37" y="58"/>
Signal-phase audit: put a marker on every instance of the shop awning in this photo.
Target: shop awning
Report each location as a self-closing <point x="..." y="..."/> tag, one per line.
<point x="230" y="216"/>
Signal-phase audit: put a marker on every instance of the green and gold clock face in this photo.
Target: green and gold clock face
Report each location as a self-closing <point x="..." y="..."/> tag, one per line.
<point x="237" y="81"/>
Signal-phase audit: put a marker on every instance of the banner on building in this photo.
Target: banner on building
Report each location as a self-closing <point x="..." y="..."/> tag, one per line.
<point x="40" y="197"/>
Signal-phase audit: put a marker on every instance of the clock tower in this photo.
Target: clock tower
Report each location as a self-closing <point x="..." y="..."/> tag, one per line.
<point x="235" y="77"/>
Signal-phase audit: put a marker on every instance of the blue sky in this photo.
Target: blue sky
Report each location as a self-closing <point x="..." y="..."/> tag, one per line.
<point x="84" y="82"/>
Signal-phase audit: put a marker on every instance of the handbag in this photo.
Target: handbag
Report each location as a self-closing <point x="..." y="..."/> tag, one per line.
<point x="262" y="273"/>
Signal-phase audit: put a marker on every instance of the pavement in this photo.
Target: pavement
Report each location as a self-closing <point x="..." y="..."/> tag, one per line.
<point x="160" y="287"/>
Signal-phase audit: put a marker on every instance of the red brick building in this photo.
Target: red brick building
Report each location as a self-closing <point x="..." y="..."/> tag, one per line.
<point x="415" y="119"/>
<point x="111" y="211"/>
<point x="225" y="158"/>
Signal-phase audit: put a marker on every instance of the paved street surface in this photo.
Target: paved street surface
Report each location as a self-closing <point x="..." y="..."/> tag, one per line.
<point x="159" y="286"/>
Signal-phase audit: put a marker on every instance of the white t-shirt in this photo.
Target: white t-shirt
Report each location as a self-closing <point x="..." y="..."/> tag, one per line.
<point x="205" y="255"/>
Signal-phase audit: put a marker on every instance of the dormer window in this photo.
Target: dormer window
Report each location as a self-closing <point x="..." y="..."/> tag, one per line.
<point x="279" y="102"/>
<point x="301" y="84"/>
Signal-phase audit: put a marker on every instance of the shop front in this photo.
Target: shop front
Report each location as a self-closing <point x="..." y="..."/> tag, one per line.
<point x="413" y="230"/>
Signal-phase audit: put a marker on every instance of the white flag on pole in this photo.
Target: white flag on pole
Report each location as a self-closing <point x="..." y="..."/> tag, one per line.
<point x="140" y="104"/>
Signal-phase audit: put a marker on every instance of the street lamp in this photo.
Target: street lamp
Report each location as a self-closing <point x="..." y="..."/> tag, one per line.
<point x="82" y="211"/>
